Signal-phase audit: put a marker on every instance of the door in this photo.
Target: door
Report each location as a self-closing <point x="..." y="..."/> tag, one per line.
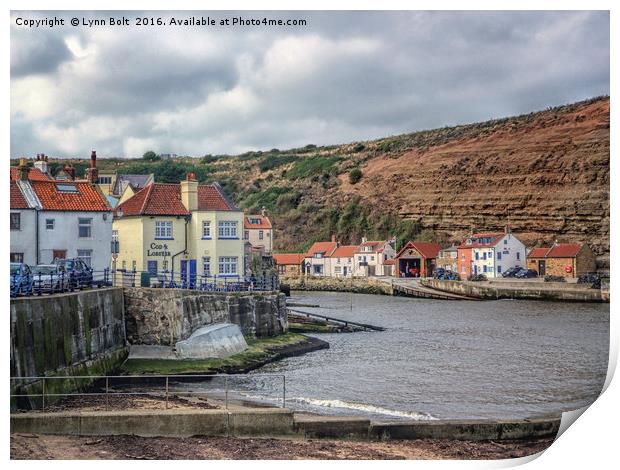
<point x="184" y="272"/>
<point x="541" y="267"/>
<point x="345" y="271"/>
<point x="192" y="273"/>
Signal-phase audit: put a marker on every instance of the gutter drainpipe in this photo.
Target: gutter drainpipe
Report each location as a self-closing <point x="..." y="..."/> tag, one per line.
<point x="184" y="250"/>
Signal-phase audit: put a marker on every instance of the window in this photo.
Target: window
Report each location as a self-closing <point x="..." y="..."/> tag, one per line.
<point x="16" y="221"/>
<point x="246" y="234"/>
<point x="227" y="229"/>
<point x="17" y="257"/>
<point x="518" y="255"/>
<point x="505" y="242"/>
<point x="318" y="269"/>
<point x="499" y="255"/>
<point x="163" y="229"/>
<point x="66" y="188"/>
<point x="476" y="256"/>
<point x="372" y="258"/>
<point x="228" y="265"/>
<point x="115" y="235"/>
<point x="206" y="265"/>
<point x="104" y="180"/>
<point x="499" y="269"/>
<point x="124" y="265"/>
<point x="86" y="256"/>
<point x="338" y="269"/>
<point x="318" y="255"/>
<point x="49" y="224"/>
<point x="84" y="228"/>
<point x="484" y="268"/>
<point x="260" y="235"/>
<point x="484" y="255"/>
<point x="151" y="266"/>
<point x="206" y="229"/>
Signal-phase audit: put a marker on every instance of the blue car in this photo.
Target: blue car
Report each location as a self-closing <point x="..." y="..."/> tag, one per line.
<point x="77" y="272"/>
<point x="21" y="279"/>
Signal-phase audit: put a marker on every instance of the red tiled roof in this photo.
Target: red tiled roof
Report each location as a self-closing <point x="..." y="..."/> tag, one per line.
<point x="564" y="250"/>
<point x="34" y="174"/>
<point x="18" y="201"/>
<point x="538" y="252"/>
<point x="345" y="251"/>
<point x="426" y="249"/>
<point x="374" y="245"/>
<point x="165" y="199"/>
<point x="86" y="197"/>
<point x="155" y="199"/>
<point x="322" y="247"/>
<point x="475" y="244"/>
<point x="288" y="258"/>
<point x="264" y="222"/>
<point x="211" y="198"/>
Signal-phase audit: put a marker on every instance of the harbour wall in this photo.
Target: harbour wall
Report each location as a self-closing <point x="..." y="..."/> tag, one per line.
<point x="334" y="284"/>
<point x="528" y="290"/>
<point x="165" y="316"/>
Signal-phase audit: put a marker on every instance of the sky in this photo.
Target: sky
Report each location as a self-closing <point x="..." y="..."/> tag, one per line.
<point x="343" y="77"/>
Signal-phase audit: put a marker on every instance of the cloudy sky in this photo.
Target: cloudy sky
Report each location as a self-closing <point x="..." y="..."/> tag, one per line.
<point x="345" y="76"/>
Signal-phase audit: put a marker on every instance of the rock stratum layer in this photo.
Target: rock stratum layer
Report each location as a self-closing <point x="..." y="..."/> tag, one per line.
<point x="545" y="174"/>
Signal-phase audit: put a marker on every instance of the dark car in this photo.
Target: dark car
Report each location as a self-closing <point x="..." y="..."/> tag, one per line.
<point x="477" y="277"/>
<point x="21" y="279"/>
<point x="49" y="278"/>
<point x="510" y="272"/>
<point x="526" y="273"/>
<point x="77" y="271"/>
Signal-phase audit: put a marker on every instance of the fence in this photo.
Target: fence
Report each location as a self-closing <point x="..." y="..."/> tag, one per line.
<point x="39" y="284"/>
<point x="156" y="391"/>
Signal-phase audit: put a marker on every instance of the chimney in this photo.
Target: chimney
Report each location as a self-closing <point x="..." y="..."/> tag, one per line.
<point x="69" y="171"/>
<point x="22" y="170"/>
<point x="92" y="174"/>
<point x="41" y="163"/>
<point x="364" y="240"/>
<point x="333" y="238"/>
<point x="189" y="192"/>
<point x="263" y="212"/>
<point x="507" y="229"/>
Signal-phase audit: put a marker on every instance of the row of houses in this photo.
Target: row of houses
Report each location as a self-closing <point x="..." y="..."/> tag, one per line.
<point x="137" y="225"/>
<point x="490" y="254"/>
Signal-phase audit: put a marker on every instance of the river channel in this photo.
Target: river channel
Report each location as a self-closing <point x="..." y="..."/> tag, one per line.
<point x="450" y="359"/>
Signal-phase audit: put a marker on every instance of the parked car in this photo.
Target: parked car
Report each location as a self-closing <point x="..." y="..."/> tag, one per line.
<point x="21" y="279"/>
<point x="526" y="273"/>
<point x="49" y="278"/>
<point x="510" y="272"/>
<point x="445" y="274"/>
<point x="477" y="277"/>
<point x="78" y="273"/>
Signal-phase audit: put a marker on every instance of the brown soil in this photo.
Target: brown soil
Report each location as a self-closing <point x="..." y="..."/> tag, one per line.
<point x="46" y="447"/>
<point x="118" y="401"/>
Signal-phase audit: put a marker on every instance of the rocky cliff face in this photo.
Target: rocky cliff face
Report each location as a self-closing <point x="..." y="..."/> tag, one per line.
<point x="545" y="174"/>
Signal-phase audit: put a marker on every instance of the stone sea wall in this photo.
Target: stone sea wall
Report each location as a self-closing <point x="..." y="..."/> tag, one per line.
<point x="355" y="285"/>
<point x="67" y="334"/>
<point x="165" y="316"/>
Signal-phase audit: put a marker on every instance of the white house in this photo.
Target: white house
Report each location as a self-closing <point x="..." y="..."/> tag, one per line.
<point x="259" y="233"/>
<point x="371" y="256"/>
<point x="494" y="253"/>
<point x="317" y="261"/>
<point x="341" y="261"/>
<point x="64" y="219"/>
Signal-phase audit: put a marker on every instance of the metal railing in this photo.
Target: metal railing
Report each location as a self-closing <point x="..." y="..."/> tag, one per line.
<point x="39" y="284"/>
<point x="45" y="398"/>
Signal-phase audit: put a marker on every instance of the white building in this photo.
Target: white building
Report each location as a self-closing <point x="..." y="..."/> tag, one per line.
<point x="371" y="256"/>
<point x="341" y="262"/>
<point x="64" y="219"/>
<point x="494" y="253"/>
<point x="317" y="261"/>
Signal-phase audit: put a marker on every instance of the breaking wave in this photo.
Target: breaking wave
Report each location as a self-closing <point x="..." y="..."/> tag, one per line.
<point x="364" y="407"/>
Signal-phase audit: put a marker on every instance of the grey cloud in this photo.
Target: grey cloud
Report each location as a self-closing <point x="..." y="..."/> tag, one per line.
<point x="346" y="76"/>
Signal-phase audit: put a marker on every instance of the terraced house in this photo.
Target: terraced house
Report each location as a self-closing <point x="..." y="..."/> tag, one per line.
<point x="490" y="254"/>
<point x="185" y="228"/>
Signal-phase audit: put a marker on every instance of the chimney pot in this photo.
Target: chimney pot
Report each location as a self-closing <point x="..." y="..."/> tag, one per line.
<point x="333" y="238"/>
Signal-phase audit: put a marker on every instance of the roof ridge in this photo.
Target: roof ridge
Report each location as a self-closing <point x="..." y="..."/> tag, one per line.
<point x="147" y="196"/>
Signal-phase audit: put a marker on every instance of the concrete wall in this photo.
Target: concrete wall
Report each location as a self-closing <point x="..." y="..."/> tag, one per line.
<point x="165" y="316"/>
<point x="532" y="290"/>
<point x="56" y="335"/>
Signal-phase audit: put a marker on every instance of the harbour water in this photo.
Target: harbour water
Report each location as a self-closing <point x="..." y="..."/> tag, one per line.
<point x="449" y="359"/>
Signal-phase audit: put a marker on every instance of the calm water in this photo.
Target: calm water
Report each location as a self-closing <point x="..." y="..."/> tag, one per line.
<point x="446" y="359"/>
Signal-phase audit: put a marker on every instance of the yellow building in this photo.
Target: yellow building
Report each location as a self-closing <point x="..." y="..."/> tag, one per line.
<point x="186" y="228"/>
